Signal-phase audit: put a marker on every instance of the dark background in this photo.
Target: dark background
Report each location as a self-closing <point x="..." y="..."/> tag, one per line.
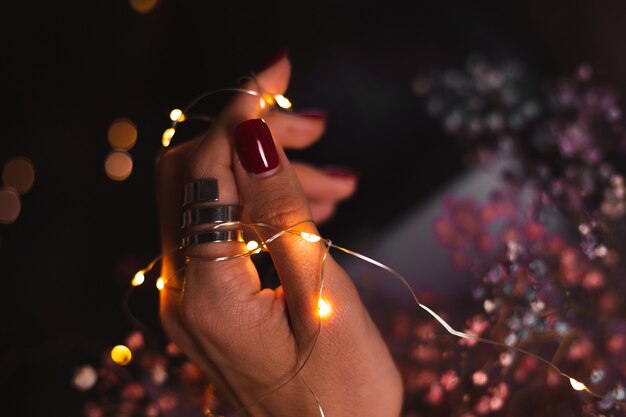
<point x="70" y="68"/>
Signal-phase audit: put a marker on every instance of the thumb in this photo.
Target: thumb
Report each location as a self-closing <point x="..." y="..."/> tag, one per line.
<point x="271" y="193"/>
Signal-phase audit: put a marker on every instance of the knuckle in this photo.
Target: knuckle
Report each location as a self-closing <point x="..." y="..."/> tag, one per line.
<point x="282" y="209"/>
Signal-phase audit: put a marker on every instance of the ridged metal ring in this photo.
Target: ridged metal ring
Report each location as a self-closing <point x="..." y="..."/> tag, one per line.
<point x="211" y="215"/>
<point x="212" y="237"/>
<point x="200" y="191"/>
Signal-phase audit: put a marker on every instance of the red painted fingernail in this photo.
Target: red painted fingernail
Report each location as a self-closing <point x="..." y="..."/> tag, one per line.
<point x="312" y="113"/>
<point x="340" y="172"/>
<point x="255" y="147"/>
<point x="275" y="58"/>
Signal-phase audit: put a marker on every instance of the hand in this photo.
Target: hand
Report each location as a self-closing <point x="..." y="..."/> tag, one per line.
<point x="248" y="340"/>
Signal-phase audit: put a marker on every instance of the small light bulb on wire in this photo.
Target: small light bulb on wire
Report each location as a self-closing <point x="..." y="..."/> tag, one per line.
<point x="138" y="279"/>
<point x="167" y="136"/>
<point x="177" y="115"/>
<point x="310" y="237"/>
<point x="577" y="385"/>
<point x="323" y="308"/>
<point x="160" y="283"/>
<point x="282" y="101"/>
<point x="253" y="246"/>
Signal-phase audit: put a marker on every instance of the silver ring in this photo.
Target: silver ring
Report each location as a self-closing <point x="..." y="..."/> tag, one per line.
<point x="211" y="215"/>
<point x="200" y="191"/>
<point x="212" y="237"/>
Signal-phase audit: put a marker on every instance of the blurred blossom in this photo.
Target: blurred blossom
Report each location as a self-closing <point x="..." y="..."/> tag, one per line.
<point x="85" y="378"/>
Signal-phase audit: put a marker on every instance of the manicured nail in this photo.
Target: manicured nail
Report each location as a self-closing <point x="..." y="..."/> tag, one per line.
<point x="255" y="147"/>
<point x="340" y="172"/>
<point x="277" y="56"/>
<point x="312" y="113"/>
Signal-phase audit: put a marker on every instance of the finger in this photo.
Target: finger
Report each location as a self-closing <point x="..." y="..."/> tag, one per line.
<point x="271" y="193"/>
<point x="327" y="186"/>
<point x="212" y="288"/>
<point x="296" y="130"/>
<point x="321" y="211"/>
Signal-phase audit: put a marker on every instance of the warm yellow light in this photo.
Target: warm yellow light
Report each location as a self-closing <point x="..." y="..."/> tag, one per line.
<point x="167" y="136"/>
<point x="577" y="385"/>
<point x="121" y="355"/>
<point x="310" y="237"/>
<point x="160" y="283"/>
<point x="282" y="101"/>
<point x="122" y="134"/>
<point x="19" y="174"/>
<point x="142" y="6"/>
<point x="253" y="246"/>
<point x="323" y="308"/>
<point x="262" y="103"/>
<point x="138" y="279"/>
<point x="118" y="165"/>
<point x="177" y="115"/>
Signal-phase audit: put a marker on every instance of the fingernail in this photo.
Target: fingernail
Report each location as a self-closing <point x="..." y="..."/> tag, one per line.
<point x="312" y="113"/>
<point x="255" y="147"/>
<point x="277" y="56"/>
<point x="340" y="172"/>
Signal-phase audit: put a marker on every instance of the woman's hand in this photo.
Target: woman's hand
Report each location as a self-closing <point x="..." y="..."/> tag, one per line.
<point x="248" y="340"/>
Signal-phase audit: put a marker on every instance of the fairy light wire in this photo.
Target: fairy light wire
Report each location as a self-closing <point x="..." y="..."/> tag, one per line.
<point x="284" y="103"/>
<point x="183" y="115"/>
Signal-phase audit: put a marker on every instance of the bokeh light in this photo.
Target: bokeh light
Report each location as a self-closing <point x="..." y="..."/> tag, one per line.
<point x="19" y="174"/>
<point x="142" y="6"/>
<point x="122" y="134"/>
<point x="85" y="378"/>
<point x="121" y="355"/>
<point x="10" y="205"/>
<point x="118" y="165"/>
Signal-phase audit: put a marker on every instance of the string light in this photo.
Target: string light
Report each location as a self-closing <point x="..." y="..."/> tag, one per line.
<point x="160" y="283"/>
<point x="168" y="134"/>
<point x="121" y="355"/>
<point x="138" y="279"/>
<point x="282" y="101"/>
<point x="577" y="385"/>
<point x="177" y="115"/>
<point x="309" y="237"/>
<point x="253" y="246"/>
<point x="181" y="115"/>
<point x="325" y="309"/>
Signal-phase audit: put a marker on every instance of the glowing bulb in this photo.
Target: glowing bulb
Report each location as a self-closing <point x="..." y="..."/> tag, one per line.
<point x="282" y="101"/>
<point x="577" y="385"/>
<point x="310" y="237"/>
<point x="160" y="283"/>
<point x="138" y="279"/>
<point x="167" y="136"/>
<point x="177" y="115"/>
<point x="323" y="308"/>
<point x="253" y="246"/>
<point x="262" y="103"/>
<point x="121" y="355"/>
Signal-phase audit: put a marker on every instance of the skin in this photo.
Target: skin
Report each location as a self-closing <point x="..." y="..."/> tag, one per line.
<point x="249" y="340"/>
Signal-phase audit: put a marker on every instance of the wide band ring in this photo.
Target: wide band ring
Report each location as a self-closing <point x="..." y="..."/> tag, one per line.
<point x="200" y="191"/>
<point x="211" y="215"/>
<point x="212" y="237"/>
